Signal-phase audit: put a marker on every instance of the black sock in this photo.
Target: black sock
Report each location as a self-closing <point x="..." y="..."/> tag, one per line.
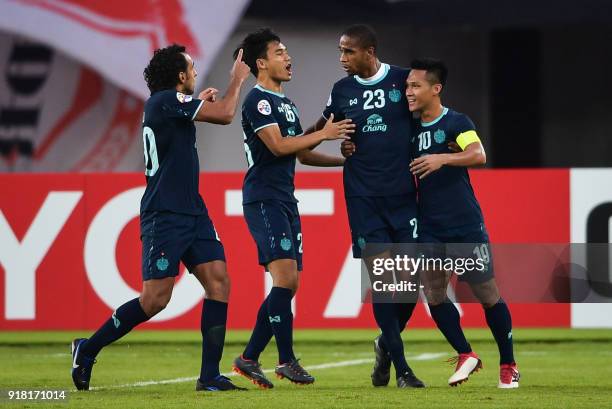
<point x="403" y="312"/>
<point x="386" y="318"/>
<point x="281" y="321"/>
<point x="262" y="333"/>
<point x="212" y="326"/>
<point x="500" y="322"/>
<point x="447" y="319"/>
<point x="120" y="323"/>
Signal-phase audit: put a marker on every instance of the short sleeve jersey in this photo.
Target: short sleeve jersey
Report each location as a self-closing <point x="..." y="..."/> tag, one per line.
<point x="172" y="167"/>
<point x="268" y="176"/>
<point x="378" y="108"/>
<point x="446" y="198"/>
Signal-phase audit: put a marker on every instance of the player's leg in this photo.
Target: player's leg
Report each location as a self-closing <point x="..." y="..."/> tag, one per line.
<point x="162" y="244"/>
<point x="499" y="321"/>
<point x="205" y="259"/>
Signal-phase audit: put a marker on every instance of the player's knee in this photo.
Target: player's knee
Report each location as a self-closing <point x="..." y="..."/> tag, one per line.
<point x="218" y="288"/>
<point x="435" y="297"/>
<point x="154" y="304"/>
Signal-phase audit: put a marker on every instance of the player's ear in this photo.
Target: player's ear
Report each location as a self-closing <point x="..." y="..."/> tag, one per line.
<point x="261" y="64"/>
<point x="437" y="88"/>
<point x="182" y="77"/>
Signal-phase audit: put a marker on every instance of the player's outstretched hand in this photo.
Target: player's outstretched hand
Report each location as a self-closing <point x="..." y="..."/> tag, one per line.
<point x="425" y="165"/>
<point x="240" y="70"/>
<point x="338" y="130"/>
<point x="347" y="148"/>
<point x="209" y="94"/>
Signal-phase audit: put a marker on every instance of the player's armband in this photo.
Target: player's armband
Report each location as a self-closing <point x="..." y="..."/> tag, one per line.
<point x="466" y="138"/>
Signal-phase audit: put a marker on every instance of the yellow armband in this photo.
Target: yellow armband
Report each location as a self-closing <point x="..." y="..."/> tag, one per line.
<point x="466" y="138"/>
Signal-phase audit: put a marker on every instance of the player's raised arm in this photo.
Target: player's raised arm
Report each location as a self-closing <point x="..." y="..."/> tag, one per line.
<point x="279" y="146"/>
<point x="222" y="112"/>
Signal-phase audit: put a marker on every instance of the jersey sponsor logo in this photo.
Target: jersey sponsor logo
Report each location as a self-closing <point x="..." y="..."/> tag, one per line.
<point x="183" y="98"/>
<point x="264" y="107"/>
<point x="353" y="102"/>
<point x="374" y="124"/>
<point x="395" y="95"/>
<point x="439" y="136"/>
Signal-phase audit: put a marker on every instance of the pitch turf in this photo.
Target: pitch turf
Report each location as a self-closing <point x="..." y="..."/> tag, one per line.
<point x="560" y="369"/>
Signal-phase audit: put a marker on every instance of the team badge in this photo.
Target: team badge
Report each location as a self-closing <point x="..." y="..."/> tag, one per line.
<point x="285" y="244"/>
<point x="162" y="263"/>
<point x="439" y="136"/>
<point x="361" y="242"/>
<point x="183" y="98"/>
<point x="264" y="107"/>
<point x="395" y="95"/>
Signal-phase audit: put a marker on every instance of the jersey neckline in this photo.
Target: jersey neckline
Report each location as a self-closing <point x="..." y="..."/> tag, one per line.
<point x="435" y="121"/>
<point x="376" y="78"/>
<point x="278" y="94"/>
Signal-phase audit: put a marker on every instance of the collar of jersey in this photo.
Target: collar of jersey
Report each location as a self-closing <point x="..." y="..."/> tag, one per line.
<point x="376" y="78"/>
<point x="435" y="121"/>
<point x="259" y="87"/>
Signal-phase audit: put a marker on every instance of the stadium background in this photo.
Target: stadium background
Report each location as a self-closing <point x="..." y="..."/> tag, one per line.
<point x="532" y="76"/>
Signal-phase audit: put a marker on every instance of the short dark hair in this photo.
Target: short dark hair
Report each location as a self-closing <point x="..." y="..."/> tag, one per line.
<point x="436" y="69"/>
<point x="164" y="68"/>
<point x="254" y="46"/>
<point x="363" y="34"/>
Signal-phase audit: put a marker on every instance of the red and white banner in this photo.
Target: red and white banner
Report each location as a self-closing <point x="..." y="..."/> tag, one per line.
<point x="72" y="93"/>
<point x="70" y="251"/>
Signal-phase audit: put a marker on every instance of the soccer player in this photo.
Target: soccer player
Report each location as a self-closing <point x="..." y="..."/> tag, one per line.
<point x="273" y="138"/>
<point x="449" y="213"/>
<point x="378" y="186"/>
<point x="174" y="221"/>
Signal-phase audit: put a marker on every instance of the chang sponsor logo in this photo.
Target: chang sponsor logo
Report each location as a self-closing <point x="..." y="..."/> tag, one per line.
<point x="374" y="124"/>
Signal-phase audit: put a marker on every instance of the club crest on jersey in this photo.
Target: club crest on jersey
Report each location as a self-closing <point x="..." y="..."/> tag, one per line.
<point x="285" y="244"/>
<point x="162" y="263"/>
<point x="395" y="95"/>
<point x="264" y="107"/>
<point x="374" y="124"/>
<point x="183" y="98"/>
<point x="439" y="136"/>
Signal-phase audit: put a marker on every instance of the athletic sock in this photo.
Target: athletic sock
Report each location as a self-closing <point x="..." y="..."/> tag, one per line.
<point x="403" y="312"/>
<point x="212" y="326"/>
<point x="500" y="322"/>
<point x="447" y="319"/>
<point x="120" y="323"/>
<point x="386" y="318"/>
<point x="262" y="333"/>
<point x="281" y="321"/>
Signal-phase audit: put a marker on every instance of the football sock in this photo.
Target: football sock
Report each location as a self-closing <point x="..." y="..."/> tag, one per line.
<point x="212" y="326"/>
<point x="404" y="312"/>
<point x="447" y="319"/>
<point x="281" y="322"/>
<point x="386" y="318"/>
<point x="120" y="323"/>
<point x="262" y="333"/>
<point x="500" y="322"/>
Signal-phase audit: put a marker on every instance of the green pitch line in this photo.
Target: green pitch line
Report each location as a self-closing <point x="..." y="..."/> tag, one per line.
<point x="348" y="336"/>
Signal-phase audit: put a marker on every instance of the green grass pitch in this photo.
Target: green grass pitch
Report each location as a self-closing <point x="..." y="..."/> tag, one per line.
<point x="560" y="368"/>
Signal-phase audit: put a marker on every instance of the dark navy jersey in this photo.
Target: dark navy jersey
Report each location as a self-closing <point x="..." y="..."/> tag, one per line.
<point x="446" y="198"/>
<point x="269" y="176"/>
<point x="378" y="108"/>
<point x="171" y="157"/>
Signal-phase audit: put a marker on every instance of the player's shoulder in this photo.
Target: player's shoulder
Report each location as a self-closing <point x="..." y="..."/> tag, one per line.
<point x="459" y="120"/>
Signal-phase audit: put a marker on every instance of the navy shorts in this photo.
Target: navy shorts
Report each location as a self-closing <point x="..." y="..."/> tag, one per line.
<point x="277" y="231"/>
<point x="381" y="219"/>
<point x="475" y="237"/>
<point x="168" y="238"/>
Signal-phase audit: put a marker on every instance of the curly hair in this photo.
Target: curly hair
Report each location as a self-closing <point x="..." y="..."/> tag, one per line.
<point x="164" y="68"/>
<point x="254" y="46"/>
